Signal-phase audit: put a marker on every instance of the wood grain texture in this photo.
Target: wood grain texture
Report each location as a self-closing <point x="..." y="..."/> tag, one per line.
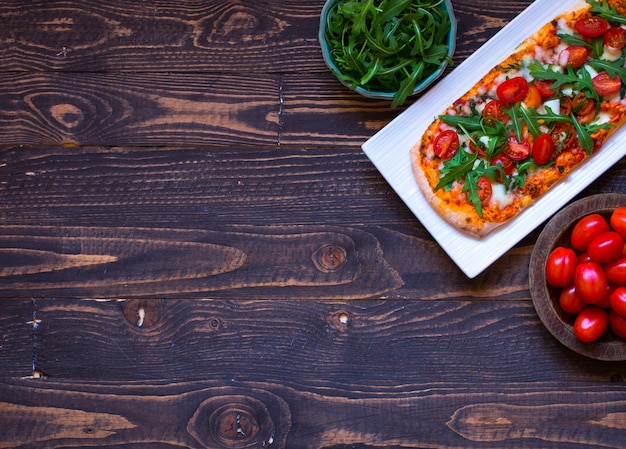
<point x="360" y="345"/>
<point x="138" y="109"/>
<point x="18" y="321"/>
<point x="196" y="253"/>
<point x="263" y="414"/>
<point x="209" y="36"/>
<point x="188" y="36"/>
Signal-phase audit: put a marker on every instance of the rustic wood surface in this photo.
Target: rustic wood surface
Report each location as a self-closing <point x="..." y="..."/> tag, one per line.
<point x="196" y="253"/>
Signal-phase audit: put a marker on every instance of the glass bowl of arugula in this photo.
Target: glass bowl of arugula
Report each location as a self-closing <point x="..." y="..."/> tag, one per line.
<point x="387" y="49"/>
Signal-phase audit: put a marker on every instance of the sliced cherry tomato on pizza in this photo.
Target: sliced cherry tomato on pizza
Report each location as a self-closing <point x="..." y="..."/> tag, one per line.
<point x="618" y="221"/>
<point x="591" y="323"/>
<point x="604" y="84"/>
<point x="544" y="88"/>
<point x="485" y="189"/>
<point x="507" y="164"/>
<point x="477" y="147"/>
<point x="586" y="229"/>
<point x="446" y="144"/>
<point x="517" y="151"/>
<point x="512" y="90"/>
<point x="493" y="109"/>
<point x="574" y="55"/>
<point x="615" y="38"/>
<point x="543" y="149"/>
<point x="591" y="26"/>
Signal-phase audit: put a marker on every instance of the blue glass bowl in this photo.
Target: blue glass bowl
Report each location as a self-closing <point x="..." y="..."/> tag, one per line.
<point x="419" y="87"/>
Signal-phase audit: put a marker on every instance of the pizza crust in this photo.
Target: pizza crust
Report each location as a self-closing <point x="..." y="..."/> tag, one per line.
<point x="468" y="222"/>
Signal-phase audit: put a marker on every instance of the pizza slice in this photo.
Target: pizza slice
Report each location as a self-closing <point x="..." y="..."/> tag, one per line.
<point x="529" y="121"/>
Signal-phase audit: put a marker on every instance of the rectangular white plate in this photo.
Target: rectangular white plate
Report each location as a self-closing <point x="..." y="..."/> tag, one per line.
<point x="389" y="150"/>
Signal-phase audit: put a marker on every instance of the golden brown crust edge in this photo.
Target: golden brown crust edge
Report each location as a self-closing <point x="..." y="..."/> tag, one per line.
<point x="470" y="224"/>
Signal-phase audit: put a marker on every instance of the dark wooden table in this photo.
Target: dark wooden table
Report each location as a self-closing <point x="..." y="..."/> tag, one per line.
<point x="196" y="253"/>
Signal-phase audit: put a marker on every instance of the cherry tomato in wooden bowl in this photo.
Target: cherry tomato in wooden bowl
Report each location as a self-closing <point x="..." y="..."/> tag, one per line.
<point x="546" y="298"/>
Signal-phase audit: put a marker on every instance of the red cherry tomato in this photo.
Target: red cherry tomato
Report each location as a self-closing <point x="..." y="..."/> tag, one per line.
<point x="584" y="257"/>
<point x="507" y="165"/>
<point x="604" y="84"/>
<point x="512" y="90"/>
<point x="570" y="302"/>
<point x="591" y="26"/>
<point x="606" y="247"/>
<point x="446" y="144"/>
<point x="544" y="88"/>
<point x="574" y="55"/>
<point x="616" y="271"/>
<point x="590" y="324"/>
<point x="517" y="151"/>
<point x="605" y="302"/>
<point x="615" y="38"/>
<point x="560" y="266"/>
<point x="586" y="229"/>
<point x="493" y="109"/>
<point x="618" y="301"/>
<point x="543" y="149"/>
<point x="618" y="221"/>
<point x="591" y="282"/>
<point x="477" y="147"/>
<point x="617" y="324"/>
<point x="485" y="189"/>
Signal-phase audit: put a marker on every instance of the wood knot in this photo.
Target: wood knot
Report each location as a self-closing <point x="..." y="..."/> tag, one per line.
<point x="339" y="321"/>
<point x="233" y="422"/>
<point x="140" y="313"/>
<point x="329" y="258"/>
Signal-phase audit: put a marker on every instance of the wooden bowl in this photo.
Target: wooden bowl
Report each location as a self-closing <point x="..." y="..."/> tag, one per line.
<point x="546" y="298"/>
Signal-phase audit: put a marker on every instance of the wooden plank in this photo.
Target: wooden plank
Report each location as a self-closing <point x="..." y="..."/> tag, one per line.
<point x="252" y="263"/>
<point x="214" y="36"/>
<point x="187" y="110"/>
<point x="319" y="110"/>
<point x="336" y="344"/>
<point x="174" y="36"/>
<point x="263" y="414"/>
<point x="138" y="109"/>
<point x="18" y="321"/>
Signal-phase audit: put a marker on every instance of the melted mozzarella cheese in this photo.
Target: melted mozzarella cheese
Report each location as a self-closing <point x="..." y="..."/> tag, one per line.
<point x="611" y="54"/>
<point x="602" y="118"/>
<point x="553" y="105"/>
<point x="499" y="196"/>
<point x="563" y="28"/>
<point x="590" y="70"/>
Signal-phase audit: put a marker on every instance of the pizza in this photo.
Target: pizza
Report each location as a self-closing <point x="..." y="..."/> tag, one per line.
<point x="529" y="121"/>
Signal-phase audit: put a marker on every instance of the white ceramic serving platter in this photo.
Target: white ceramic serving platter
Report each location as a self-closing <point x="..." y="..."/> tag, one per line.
<point x="389" y="150"/>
